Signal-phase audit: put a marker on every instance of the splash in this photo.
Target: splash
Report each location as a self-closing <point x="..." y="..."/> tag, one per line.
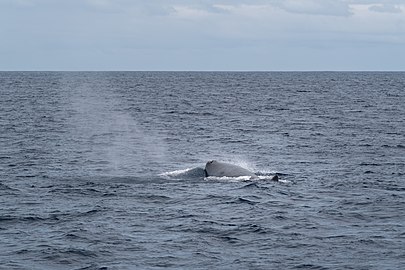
<point x="229" y="179"/>
<point x="234" y="159"/>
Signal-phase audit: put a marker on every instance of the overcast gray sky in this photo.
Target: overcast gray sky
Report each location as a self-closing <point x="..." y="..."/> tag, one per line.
<point x="202" y="35"/>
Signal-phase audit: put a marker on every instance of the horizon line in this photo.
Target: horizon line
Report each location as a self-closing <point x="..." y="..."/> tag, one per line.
<point x="134" y="70"/>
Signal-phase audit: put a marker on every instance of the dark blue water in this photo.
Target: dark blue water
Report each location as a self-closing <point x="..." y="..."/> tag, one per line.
<point x="102" y="170"/>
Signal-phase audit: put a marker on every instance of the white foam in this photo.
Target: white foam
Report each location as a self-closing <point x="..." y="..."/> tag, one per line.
<point x="266" y="172"/>
<point x="270" y="177"/>
<point x="229" y="179"/>
<point x="284" y="181"/>
<point x="245" y="178"/>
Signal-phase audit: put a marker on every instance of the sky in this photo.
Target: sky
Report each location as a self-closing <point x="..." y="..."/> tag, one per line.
<point x="203" y="35"/>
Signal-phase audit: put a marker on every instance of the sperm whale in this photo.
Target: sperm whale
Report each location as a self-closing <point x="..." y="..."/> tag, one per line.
<point x="220" y="169"/>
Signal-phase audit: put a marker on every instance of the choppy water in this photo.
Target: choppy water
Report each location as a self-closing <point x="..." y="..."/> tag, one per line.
<point x="103" y="170"/>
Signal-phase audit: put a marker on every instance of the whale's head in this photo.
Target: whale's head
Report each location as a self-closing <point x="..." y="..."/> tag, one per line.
<point x="211" y="163"/>
<point x="209" y="166"/>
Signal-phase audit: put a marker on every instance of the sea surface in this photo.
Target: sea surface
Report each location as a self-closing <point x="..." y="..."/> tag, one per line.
<point x="104" y="170"/>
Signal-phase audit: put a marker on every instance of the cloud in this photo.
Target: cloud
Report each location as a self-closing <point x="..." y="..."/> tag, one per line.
<point x="315" y="7"/>
<point x="373" y="2"/>
<point x="389" y="8"/>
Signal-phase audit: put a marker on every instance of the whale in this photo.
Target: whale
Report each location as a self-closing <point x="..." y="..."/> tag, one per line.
<point x="222" y="169"/>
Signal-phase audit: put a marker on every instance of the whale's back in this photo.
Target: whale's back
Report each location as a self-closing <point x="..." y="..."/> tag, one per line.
<point x="221" y="169"/>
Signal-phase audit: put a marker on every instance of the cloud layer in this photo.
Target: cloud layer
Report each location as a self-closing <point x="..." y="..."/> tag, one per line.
<point x="202" y="35"/>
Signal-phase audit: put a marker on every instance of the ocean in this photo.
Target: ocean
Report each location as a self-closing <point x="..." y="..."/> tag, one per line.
<point x="104" y="170"/>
